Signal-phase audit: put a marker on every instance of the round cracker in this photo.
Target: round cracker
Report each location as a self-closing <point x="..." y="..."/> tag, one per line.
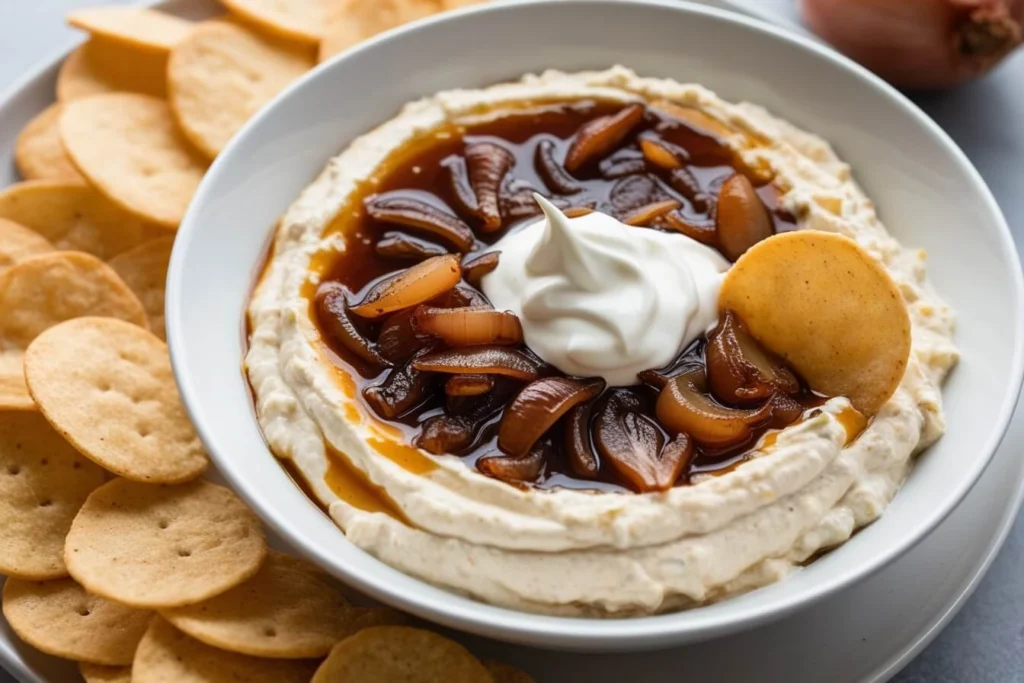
<point x="97" y="673"/>
<point x="222" y="74"/>
<point x="290" y="609"/>
<point x="385" y="654"/>
<point x="43" y="483"/>
<point x="38" y="152"/>
<point x="361" y="20"/>
<point x="44" y="290"/>
<point x="130" y="148"/>
<point x="827" y="307"/>
<point x="60" y="618"/>
<point x="302" y="20"/>
<point x="144" y="270"/>
<point x="108" y="388"/>
<point x="18" y="243"/>
<point x="506" y="673"/>
<point x="167" y="655"/>
<point x="75" y="217"/>
<point x="100" y="66"/>
<point x="164" y="546"/>
<point x="137" y="27"/>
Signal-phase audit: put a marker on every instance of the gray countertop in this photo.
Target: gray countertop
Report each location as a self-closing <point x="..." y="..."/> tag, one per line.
<point x="985" y="642"/>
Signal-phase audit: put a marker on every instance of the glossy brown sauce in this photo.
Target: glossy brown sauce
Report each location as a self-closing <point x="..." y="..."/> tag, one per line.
<point x="420" y="169"/>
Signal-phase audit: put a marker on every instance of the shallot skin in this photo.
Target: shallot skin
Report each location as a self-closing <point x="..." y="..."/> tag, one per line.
<point x="924" y="44"/>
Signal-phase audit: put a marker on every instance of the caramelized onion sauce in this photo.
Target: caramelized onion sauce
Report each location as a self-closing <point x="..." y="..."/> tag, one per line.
<point x="618" y="182"/>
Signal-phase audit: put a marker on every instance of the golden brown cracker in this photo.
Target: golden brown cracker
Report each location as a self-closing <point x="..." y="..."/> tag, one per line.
<point x="163" y="546"/>
<point x="144" y="270"/>
<point x="18" y="243"/>
<point x="222" y="74"/>
<point x="98" y="673"/>
<point x="108" y="388"/>
<point x="60" y="618"/>
<point x="38" y="152"/>
<point x="506" y="673"/>
<point x="74" y="217"/>
<point x="301" y="20"/>
<point x="829" y="309"/>
<point x="385" y="654"/>
<point x="166" y="655"/>
<point x="100" y="66"/>
<point x="361" y="20"/>
<point x="43" y="483"/>
<point x="137" y="27"/>
<point x="129" y="147"/>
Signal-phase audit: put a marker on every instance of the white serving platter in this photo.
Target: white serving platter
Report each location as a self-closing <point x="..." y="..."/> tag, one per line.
<point x="866" y="633"/>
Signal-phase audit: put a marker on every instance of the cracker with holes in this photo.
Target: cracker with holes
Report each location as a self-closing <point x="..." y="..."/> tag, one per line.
<point x="107" y="386"/>
<point x="144" y="270"/>
<point x="98" y="673"/>
<point x="18" y="243"/>
<point x="38" y="152"/>
<point x="843" y="326"/>
<point x="60" y="618"/>
<point x="166" y="654"/>
<point x="43" y="483"/>
<point x="290" y="609"/>
<point x="101" y="66"/>
<point x="44" y="290"/>
<point x="137" y="27"/>
<point x="222" y="74"/>
<point x="361" y="20"/>
<point x="399" y="653"/>
<point x="163" y="546"/>
<point x="129" y="147"/>
<point x="75" y="217"/>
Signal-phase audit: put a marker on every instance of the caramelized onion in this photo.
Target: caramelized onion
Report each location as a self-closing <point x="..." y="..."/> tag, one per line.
<point x="551" y="172"/>
<point x="600" y="136"/>
<point x="579" y="450"/>
<point x="487" y="165"/>
<point x="685" y="183"/>
<point x="460" y="296"/>
<point x="462" y="191"/>
<point x="446" y="434"/>
<point x="743" y="219"/>
<point x="332" y="312"/>
<point x="577" y="211"/>
<point x="682" y="407"/>
<point x="663" y="154"/>
<point x="398" y="245"/>
<point x="538" y="406"/>
<point x="634" y="192"/>
<point x="512" y="469"/>
<point x="740" y="371"/>
<point x="617" y="166"/>
<point x="468" y="326"/>
<point x="398" y="341"/>
<point x="468" y="385"/>
<point x="645" y="214"/>
<point x="702" y="230"/>
<point x="422" y="282"/>
<point x="785" y="411"/>
<point x="403" y="389"/>
<point x="475" y="360"/>
<point x="633" y="445"/>
<point x="475" y="267"/>
<point x="414" y="213"/>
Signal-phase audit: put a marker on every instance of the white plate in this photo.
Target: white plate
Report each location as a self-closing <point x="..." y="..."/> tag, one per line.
<point x="865" y="633"/>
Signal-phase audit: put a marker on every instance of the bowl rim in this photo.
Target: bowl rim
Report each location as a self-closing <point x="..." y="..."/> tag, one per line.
<point x="580" y="632"/>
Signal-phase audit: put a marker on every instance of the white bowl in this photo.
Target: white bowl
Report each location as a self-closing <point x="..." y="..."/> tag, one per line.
<point x="927" y="192"/>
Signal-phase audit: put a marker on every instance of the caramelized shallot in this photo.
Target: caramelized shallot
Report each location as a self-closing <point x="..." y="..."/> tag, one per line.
<point x="487" y="165"/>
<point x="645" y="214"/>
<point x="411" y="287"/>
<point x="740" y="372"/>
<point x="398" y="341"/>
<point x="475" y="360"/>
<point x="414" y="213"/>
<point x="403" y="389"/>
<point x="702" y="230"/>
<point x="516" y="469"/>
<point x="579" y="450"/>
<point x="685" y="183"/>
<point x="682" y="407"/>
<point x="446" y="434"/>
<point x="620" y="165"/>
<point x="600" y="136"/>
<point x="461" y="296"/>
<point x="577" y="211"/>
<point x="551" y="172"/>
<point x="468" y="326"/>
<point x="475" y="267"/>
<point x="663" y="154"/>
<point x="743" y="219"/>
<point x="398" y="245"/>
<point x="332" y="312"/>
<point x="538" y="406"/>
<point x="468" y="385"/>
<point x="462" y="191"/>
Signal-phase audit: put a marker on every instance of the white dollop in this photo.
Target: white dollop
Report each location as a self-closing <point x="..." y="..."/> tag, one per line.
<point x="599" y="298"/>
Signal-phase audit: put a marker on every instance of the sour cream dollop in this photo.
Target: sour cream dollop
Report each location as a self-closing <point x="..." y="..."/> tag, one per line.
<point x="599" y="298"/>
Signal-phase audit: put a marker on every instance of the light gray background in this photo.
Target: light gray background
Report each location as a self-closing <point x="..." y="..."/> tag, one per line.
<point x="985" y="642"/>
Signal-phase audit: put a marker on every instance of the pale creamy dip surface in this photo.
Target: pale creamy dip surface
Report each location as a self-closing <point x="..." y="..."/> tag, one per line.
<point x="576" y="552"/>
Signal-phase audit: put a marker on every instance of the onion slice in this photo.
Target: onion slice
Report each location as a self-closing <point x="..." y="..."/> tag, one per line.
<point x="398" y="245"/>
<point x="403" y="389"/>
<point x="551" y="172"/>
<point x="487" y="164"/>
<point x="512" y="469"/>
<point x="742" y="219"/>
<point x="475" y="267"/>
<point x="538" y="406"/>
<point x="414" y="213"/>
<point x="446" y="435"/>
<point x="475" y="360"/>
<point x="740" y="371"/>
<point x="468" y="385"/>
<point x="468" y="326"/>
<point x="682" y="407"/>
<point x="411" y="287"/>
<point x="332" y="312"/>
<point x="600" y="136"/>
<point x="645" y="214"/>
<point x="579" y="450"/>
<point x="663" y="154"/>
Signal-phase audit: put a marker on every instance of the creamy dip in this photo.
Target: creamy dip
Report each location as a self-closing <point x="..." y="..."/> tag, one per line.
<point x="805" y="489"/>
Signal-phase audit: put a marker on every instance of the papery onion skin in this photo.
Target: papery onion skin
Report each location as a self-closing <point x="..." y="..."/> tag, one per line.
<point x="920" y="43"/>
